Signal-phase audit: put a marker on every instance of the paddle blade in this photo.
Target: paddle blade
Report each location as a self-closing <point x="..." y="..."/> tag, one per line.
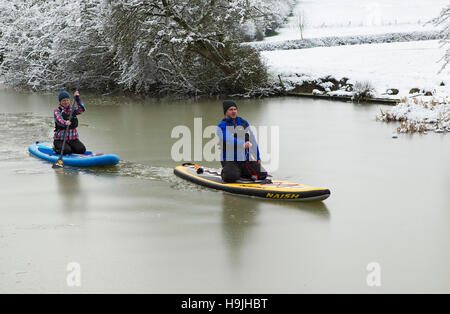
<point x="58" y="164"/>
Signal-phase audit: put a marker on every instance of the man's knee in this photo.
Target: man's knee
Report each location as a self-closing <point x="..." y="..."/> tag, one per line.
<point x="230" y="173"/>
<point x="230" y="176"/>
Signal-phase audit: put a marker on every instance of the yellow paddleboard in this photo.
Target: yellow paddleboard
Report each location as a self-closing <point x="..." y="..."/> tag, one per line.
<point x="280" y="190"/>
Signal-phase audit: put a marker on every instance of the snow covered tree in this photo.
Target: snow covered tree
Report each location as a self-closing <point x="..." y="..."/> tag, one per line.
<point x="444" y="21"/>
<point x="47" y="44"/>
<point x="281" y="9"/>
<point x="187" y="46"/>
<point x="82" y="47"/>
<point x="258" y="29"/>
<point x="170" y="46"/>
<point x="27" y="43"/>
<point x="301" y="22"/>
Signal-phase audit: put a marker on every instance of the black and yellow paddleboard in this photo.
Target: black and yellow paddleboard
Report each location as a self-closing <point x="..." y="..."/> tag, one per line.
<point x="266" y="189"/>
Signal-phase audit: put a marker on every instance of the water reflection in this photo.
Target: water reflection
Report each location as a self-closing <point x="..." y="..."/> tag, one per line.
<point x="238" y="217"/>
<point x="69" y="189"/>
<point x="317" y="209"/>
<point x="240" y="214"/>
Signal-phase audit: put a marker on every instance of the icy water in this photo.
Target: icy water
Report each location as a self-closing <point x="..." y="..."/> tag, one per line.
<point x="138" y="228"/>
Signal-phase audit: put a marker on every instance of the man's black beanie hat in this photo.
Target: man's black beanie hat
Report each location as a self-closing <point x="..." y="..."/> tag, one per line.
<point x="227" y="104"/>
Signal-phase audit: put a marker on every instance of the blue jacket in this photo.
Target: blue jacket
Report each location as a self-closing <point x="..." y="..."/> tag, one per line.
<point x="233" y="146"/>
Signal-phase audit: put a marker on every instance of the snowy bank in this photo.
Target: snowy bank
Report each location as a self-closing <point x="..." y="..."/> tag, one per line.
<point x="420" y="115"/>
<point x="394" y="66"/>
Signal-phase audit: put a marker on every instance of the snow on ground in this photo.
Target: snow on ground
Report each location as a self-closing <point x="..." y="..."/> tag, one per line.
<point x="350" y="17"/>
<point x="402" y="66"/>
<point x="397" y="65"/>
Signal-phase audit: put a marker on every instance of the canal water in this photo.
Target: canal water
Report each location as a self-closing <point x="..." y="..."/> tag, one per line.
<point x="138" y="228"/>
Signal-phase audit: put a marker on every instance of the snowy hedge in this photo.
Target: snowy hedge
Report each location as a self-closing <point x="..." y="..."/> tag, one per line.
<point x="341" y="41"/>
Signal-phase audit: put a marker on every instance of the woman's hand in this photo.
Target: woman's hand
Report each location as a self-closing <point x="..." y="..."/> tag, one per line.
<point x="68" y="123"/>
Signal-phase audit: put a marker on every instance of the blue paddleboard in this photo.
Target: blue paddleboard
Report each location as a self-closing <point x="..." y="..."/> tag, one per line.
<point x="45" y="151"/>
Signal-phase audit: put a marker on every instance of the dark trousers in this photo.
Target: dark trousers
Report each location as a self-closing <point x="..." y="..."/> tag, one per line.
<point x="71" y="147"/>
<point x="234" y="170"/>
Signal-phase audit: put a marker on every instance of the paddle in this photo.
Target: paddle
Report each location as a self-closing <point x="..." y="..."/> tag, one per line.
<point x="59" y="163"/>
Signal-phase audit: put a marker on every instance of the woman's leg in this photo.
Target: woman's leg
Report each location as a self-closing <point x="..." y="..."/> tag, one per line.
<point x="77" y="147"/>
<point x="58" y="147"/>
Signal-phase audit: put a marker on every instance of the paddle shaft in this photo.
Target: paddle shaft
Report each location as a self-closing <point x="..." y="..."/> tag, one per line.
<point x="248" y="152"/>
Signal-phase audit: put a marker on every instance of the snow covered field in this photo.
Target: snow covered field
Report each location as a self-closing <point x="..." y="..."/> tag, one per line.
<point x="395" y="65"/>
<point x="402" y="66"/>
<point x="399" y="65"/>
<point x="350" y="17"/>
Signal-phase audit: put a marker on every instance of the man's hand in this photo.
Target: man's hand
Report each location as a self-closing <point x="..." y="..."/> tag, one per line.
<point x="68" y="123"/>
<point x="248" y="145"/>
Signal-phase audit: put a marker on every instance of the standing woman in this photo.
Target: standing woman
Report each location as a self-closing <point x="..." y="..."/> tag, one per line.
<point x="73" y="144"/>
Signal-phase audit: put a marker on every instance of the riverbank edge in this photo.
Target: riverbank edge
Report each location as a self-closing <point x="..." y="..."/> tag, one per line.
<point x="344" y="98"/>
<point x="330" y="88"/>
<point x="276" y="92"/>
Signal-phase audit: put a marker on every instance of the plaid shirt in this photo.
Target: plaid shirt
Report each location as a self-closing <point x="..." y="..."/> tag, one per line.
<point x="78" y="109"/>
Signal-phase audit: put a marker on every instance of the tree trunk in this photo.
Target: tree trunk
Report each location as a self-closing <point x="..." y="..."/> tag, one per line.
<point x="216" y="57"/>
